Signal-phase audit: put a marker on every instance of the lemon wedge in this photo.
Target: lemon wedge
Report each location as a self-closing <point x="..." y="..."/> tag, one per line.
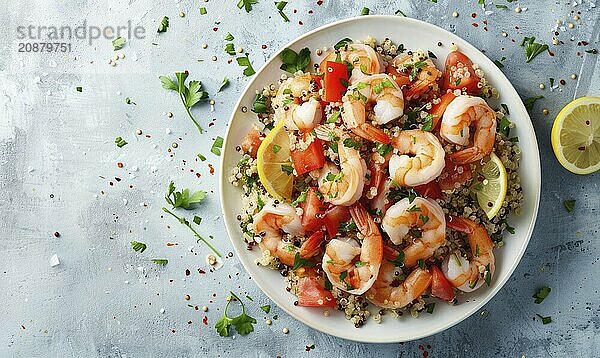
<point x="274" y="164"/>
<point x="491" y="190"/>
<point x="576" y="135"/>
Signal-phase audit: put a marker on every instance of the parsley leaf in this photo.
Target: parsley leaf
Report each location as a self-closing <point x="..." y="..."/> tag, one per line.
<point x="300" y="262"/>
<point x="164" y="24"/>
<point x="288" y="169"/>
<point x="228" y="37"/>
<point x="246" y="4"/>
<point x="427" y="123"/>
<point x="343" y="276"/>
<point x="399" y="260"/>
<point x="190" y="96"/>
<point x="342" y="43"/>
<point x="400" y="12"/>
<point x="532" y="49"/>
<point x="203" y="11"/>
<point x="230" y="49"/>
<point x="365" y="11"/>
<point x="280" y="5"/>
<point x="217" y="145"/>
<point x="120" y="142"/>
<point x="333" y="117"/>
<point x="504" y="126"/>
<point x="243" y="323"/>
<point x="260" y="104"/>
<point x="161" y="262"/>
<point x="569" y="205"/>
<point x="184" y="199"/>
<point x="430" y="307"/>
<point x="266" y="308"/>
<point x="138" y="246"/>
<point x="224" y="84"/>
<point x="245" y="62"/>
<point x="529" y="102"/>
<point x="351" y="143"/>
<point x="383" y="149"/>
<point x="545" y="320"/>
<point x="118" y="43"/>
<point x="294" y="62"/>
<point x="300" y="199"/>
<point x="541" y="295"/>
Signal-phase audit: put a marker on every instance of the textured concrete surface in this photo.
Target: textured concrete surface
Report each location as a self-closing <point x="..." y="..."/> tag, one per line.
<point x="57" y="159"/>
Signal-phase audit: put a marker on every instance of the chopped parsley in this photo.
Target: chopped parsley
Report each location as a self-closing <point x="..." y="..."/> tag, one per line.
<point x="383" y="149"/>
<point x="359" y="263"/>
<point x="266" y="308"/>
<point x="500" y="6"/>
<point x="421" y="264"/>
<point x="351" y="143"/>
<point x="294" y="62"/>
<point x="259" y="105"/>
<point x="347" y="226"/>
<point x="365" y="11"/>
<point x="217" y="145"/>
<point x="184" y="199"/>
<point x="246" y="4"/>
<point x="164" y="25"/>
<point x="532" y="49"/>
<point x="569" y="205"/>
<point x="197" y="220"/>
<point x="504" y="126"/>
<point x="189" y="95"/>
<point x="529" y="102"/>
<point x="118" y="43"/>
<point x="488" y="275"/>
<point x="300" y="199"/>
<point x="343" y="276"/>
<point x="430" y="307"/>
<point x="138" y="246"/>
<point x="288" y="169"/>
<point x="129" y="101"/>
<point x="202" y="11"/>
<point x="541" y="295"/>
<point x="242" y="323"/>
<point x="162" y="262"/>
<point x="379" y="87"/>
<point x="424" y="218"/>
<point x="333" y="117"/>
<point x="120" y="142"/>
<point x="427" y="123"/>
<point x="342" y="43"/>
<point x="229" y="37"/>
<point x="276" y="148"/>
<point x="230" y="49"/>
<point x="243" y="61"/>
<point x="545" y="320"/>
<point x="300" y="262"/>
<point x="78" y="88"/>
<point x="334" y="178"/>
<point x="399" y="12"/>
<point x="224" y="84"/>
<point x="280" y="5"/>
<point x="399" y="260"/>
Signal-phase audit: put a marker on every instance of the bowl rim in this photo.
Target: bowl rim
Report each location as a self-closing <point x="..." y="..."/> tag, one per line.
<point x="534" y="169"/>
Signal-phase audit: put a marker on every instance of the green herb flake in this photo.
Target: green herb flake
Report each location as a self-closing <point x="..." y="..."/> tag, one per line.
<point x="243" y="323"/>
<point x="300" y="262"/>
<point x="217" y="145"/>
<point x="430" y="307"/>
<point x="488" y="275"/>
<point x="164" y="25"/>
<point x="427" y="123"/>
<point x="203" y="11"/>
<point x="351" y="143"/>
<point x="333" y="117"/>
<point x="129" y="101"/>
<point x="545" y="320"/>
<point x="246" y="4"/>
<point x="364" y="11"/>
<point x="201" y="157"/>
<point x="399" y="12"/>
<point x="228" y="37"/>
<point x="190" y="95"/>
<point x="421" y="264"/>
<point x="532" y="48"/>
<point x="197" y="220"/>
<point x="224" y="84"/>
<point x="383" y="149"/>
<point x="500" y="6"/>
<point x="276" y="148"/>
<point x="230" y="49"/>
<point x="243" y="61"/>
<point x="541" y="295"/>
<point x="118" y="43"/>
<point x="399" y="260"/>
<point x="280" y="5"/>
<point x="499" y="64"/>
<point x="120" y="142"/>
<point x="343" y="276"/>
<point x="359" y="263"/>
<point x="266" y="308"/>
<point x="259" y="105"/>
<point x="300" y="199"/>
<point x="288" y="169"/>
<point x="185" y="198"/>
<point x="424" y="218"/>
<point x="78" y="88"/>
<point x="569" y="205"/>
<point x="162" y="262"/>
<point x="529" y="102"/>
<point x="342" y="43"/>
<point x="138" y="246"/>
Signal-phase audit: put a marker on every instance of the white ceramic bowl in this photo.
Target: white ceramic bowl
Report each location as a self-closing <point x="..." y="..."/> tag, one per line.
<point x="413" y="34"/>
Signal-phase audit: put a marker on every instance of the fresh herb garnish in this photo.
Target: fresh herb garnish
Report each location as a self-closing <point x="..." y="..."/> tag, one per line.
<point x="421" y="264"/>
<point x="545" y="320"/>
<point x="424" y="218"/>
<point x="351" y="143"/>
<point x="78" y="88"/>
<point x="244" y="61"/>
<point x="343" y="276"/>
<point x="541" y="295"/>
<point x="280" y="5"/>
<point x="230" y="49"/>
<point x="532" y="49"/>
<point x="129" y="101"/>
<point x="529" y="102"/>
<point x="164" y="24"/>
<point x="505" y="108"/>
<point x="276" y="148"/>
<point x="427" y="123"/>
<point x="500" y="6"/>
<point x="260" y="104"/>
<point x="399" y="12"/>
<point x="488" y="275"/>
<point x="504" y="126"/>
<point x="347" y="226"/>
<point x="185" y="222"/>
<point x="334" y="177"/>
<point x="430" y="307"/>
<point x="120" y="142"/>
<point x="118" y="43"/>
<point x="359" y="263"/>
<point x="333" y="146"/>
<point x="138" y="246"/>
<point x="242" y="323"/>
<point x="399" y="260"/>
<point x="569" y="205"/>
<point x="197" y="220"/>
<point x="288" y="169"/>
<point x="383" y="149"/>
<point x="431" y="54"/>
<point x="224" y="84"/>
<point x="294" y="62"/>
<point x="202" y="11"/>
<point x="184" y="199"/>
<point x="365" y="11"/>
<point x="342" y="43"/>
<point x="499" y="63"/>
<point x="413" y="208"/>
<point x="189" y="95"/>
<point x="228" y="37"/>
<point x="593" y="51"/>
<point x="333" y="117"/>
<point x="246" y="4"/>
<point x="161" y="262"/>
<point x="201" y="157"/>
<point x="217" y="145"/>
<point x="266" y="308"/>
<point x="300" y="199"/>
<point x="300" y="262"/>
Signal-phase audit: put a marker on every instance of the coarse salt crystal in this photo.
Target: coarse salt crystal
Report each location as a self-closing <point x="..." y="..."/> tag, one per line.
<point x="54" y="261"/>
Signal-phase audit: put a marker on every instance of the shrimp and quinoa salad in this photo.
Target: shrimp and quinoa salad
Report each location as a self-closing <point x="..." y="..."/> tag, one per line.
<point x="376" y="177"/>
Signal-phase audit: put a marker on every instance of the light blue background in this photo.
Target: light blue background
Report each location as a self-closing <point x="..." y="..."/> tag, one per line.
<point x="105" y="300"/>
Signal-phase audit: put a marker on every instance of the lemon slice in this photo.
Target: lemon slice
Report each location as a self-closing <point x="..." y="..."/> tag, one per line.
<point x="491" y="190"/>
<point x="576" y="136"/>
<point x="274" y="164"/>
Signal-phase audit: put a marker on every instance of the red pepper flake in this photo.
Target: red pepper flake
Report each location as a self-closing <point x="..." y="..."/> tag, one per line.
<point x="320" y="2"/>
<point x="473" y="15"/>
<point x="485" y="28"/>
<point x="300" y="23"/>
<point x="201" y="271"/>
<point x="189" y="322"/>
<point x="211" y="124"/>
<point x="120" y="165"/>
<point x="264" y="46"/>
<point x="170" y="244"/>
<point x="212" y="169"/>
<point x="197" y="175"/>
<point x="310" y="11"/>
<point x="421" y="347"/>
<point x="485" y="22"/>
<point x="205" y="320"/>
<point x="215" y="28"/>
<point x="475" y="24"/>
<point x="22" y="327"/>
<point x="56" y="234"/>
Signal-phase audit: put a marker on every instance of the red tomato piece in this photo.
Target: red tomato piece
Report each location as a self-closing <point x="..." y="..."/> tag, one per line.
<point x="454" y="73"/>
<point x="312" y="294"/>
<point x="440" y="286"/>
<point x="438" y="109"/>
<point x="333" y="217"/>
<point x="335" y="81"/>
<point x="429" y="190"/>
<point x="251" y="142"/>
<point x="310" y="158"/>
<point x="312" y="209"/>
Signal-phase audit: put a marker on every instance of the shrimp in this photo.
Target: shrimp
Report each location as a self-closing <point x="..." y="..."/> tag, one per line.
<point x="423" y="74"/>
<point x="379" y="183"/>
<point x="427" y="216"/>
<point x="389" y="105"/>
<point x="272" y="221"/>
<point x="420" y="158"/>
<point x="343" y="187"/>
<point x="462" y="113"/>
<point x="364" y="59"/>
<point x="388" y="291"/>
<point x="350" y="266"/>
<point x="468" y="275"/>
<point x="297" y="105"/>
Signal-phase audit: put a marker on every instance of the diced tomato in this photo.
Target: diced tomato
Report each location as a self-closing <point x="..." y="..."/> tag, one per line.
<point x="333" y="217"/>
<point x="440" y="286"/>
<point x="438" y="109"/>
<point x="251" y="142"/>
<point x="312" y="211"/>
<point x="335" y="81"/>
<point x="318" y="80"/>
<point x="454" y="175"/>
<point x="400" y="78"/>
<point x="430" y="190"/>
<point x="312" y="294"/>
<point x="454" y="80"/>
<point x="310" y="158"/>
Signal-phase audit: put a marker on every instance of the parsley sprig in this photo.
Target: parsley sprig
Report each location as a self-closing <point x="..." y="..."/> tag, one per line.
<point x="189" y="95"/>
<point x="185" y="222"/>
<point x="532" y="48"/>
<point x="242" y="323"/>
<point x="185" y="198"/>
<point x="294" y="62"/>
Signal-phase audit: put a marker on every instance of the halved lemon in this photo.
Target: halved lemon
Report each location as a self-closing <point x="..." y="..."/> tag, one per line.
<point x="491" y="189"/>
<point x="274" y="164"/>
<point x="576" y="135"/>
